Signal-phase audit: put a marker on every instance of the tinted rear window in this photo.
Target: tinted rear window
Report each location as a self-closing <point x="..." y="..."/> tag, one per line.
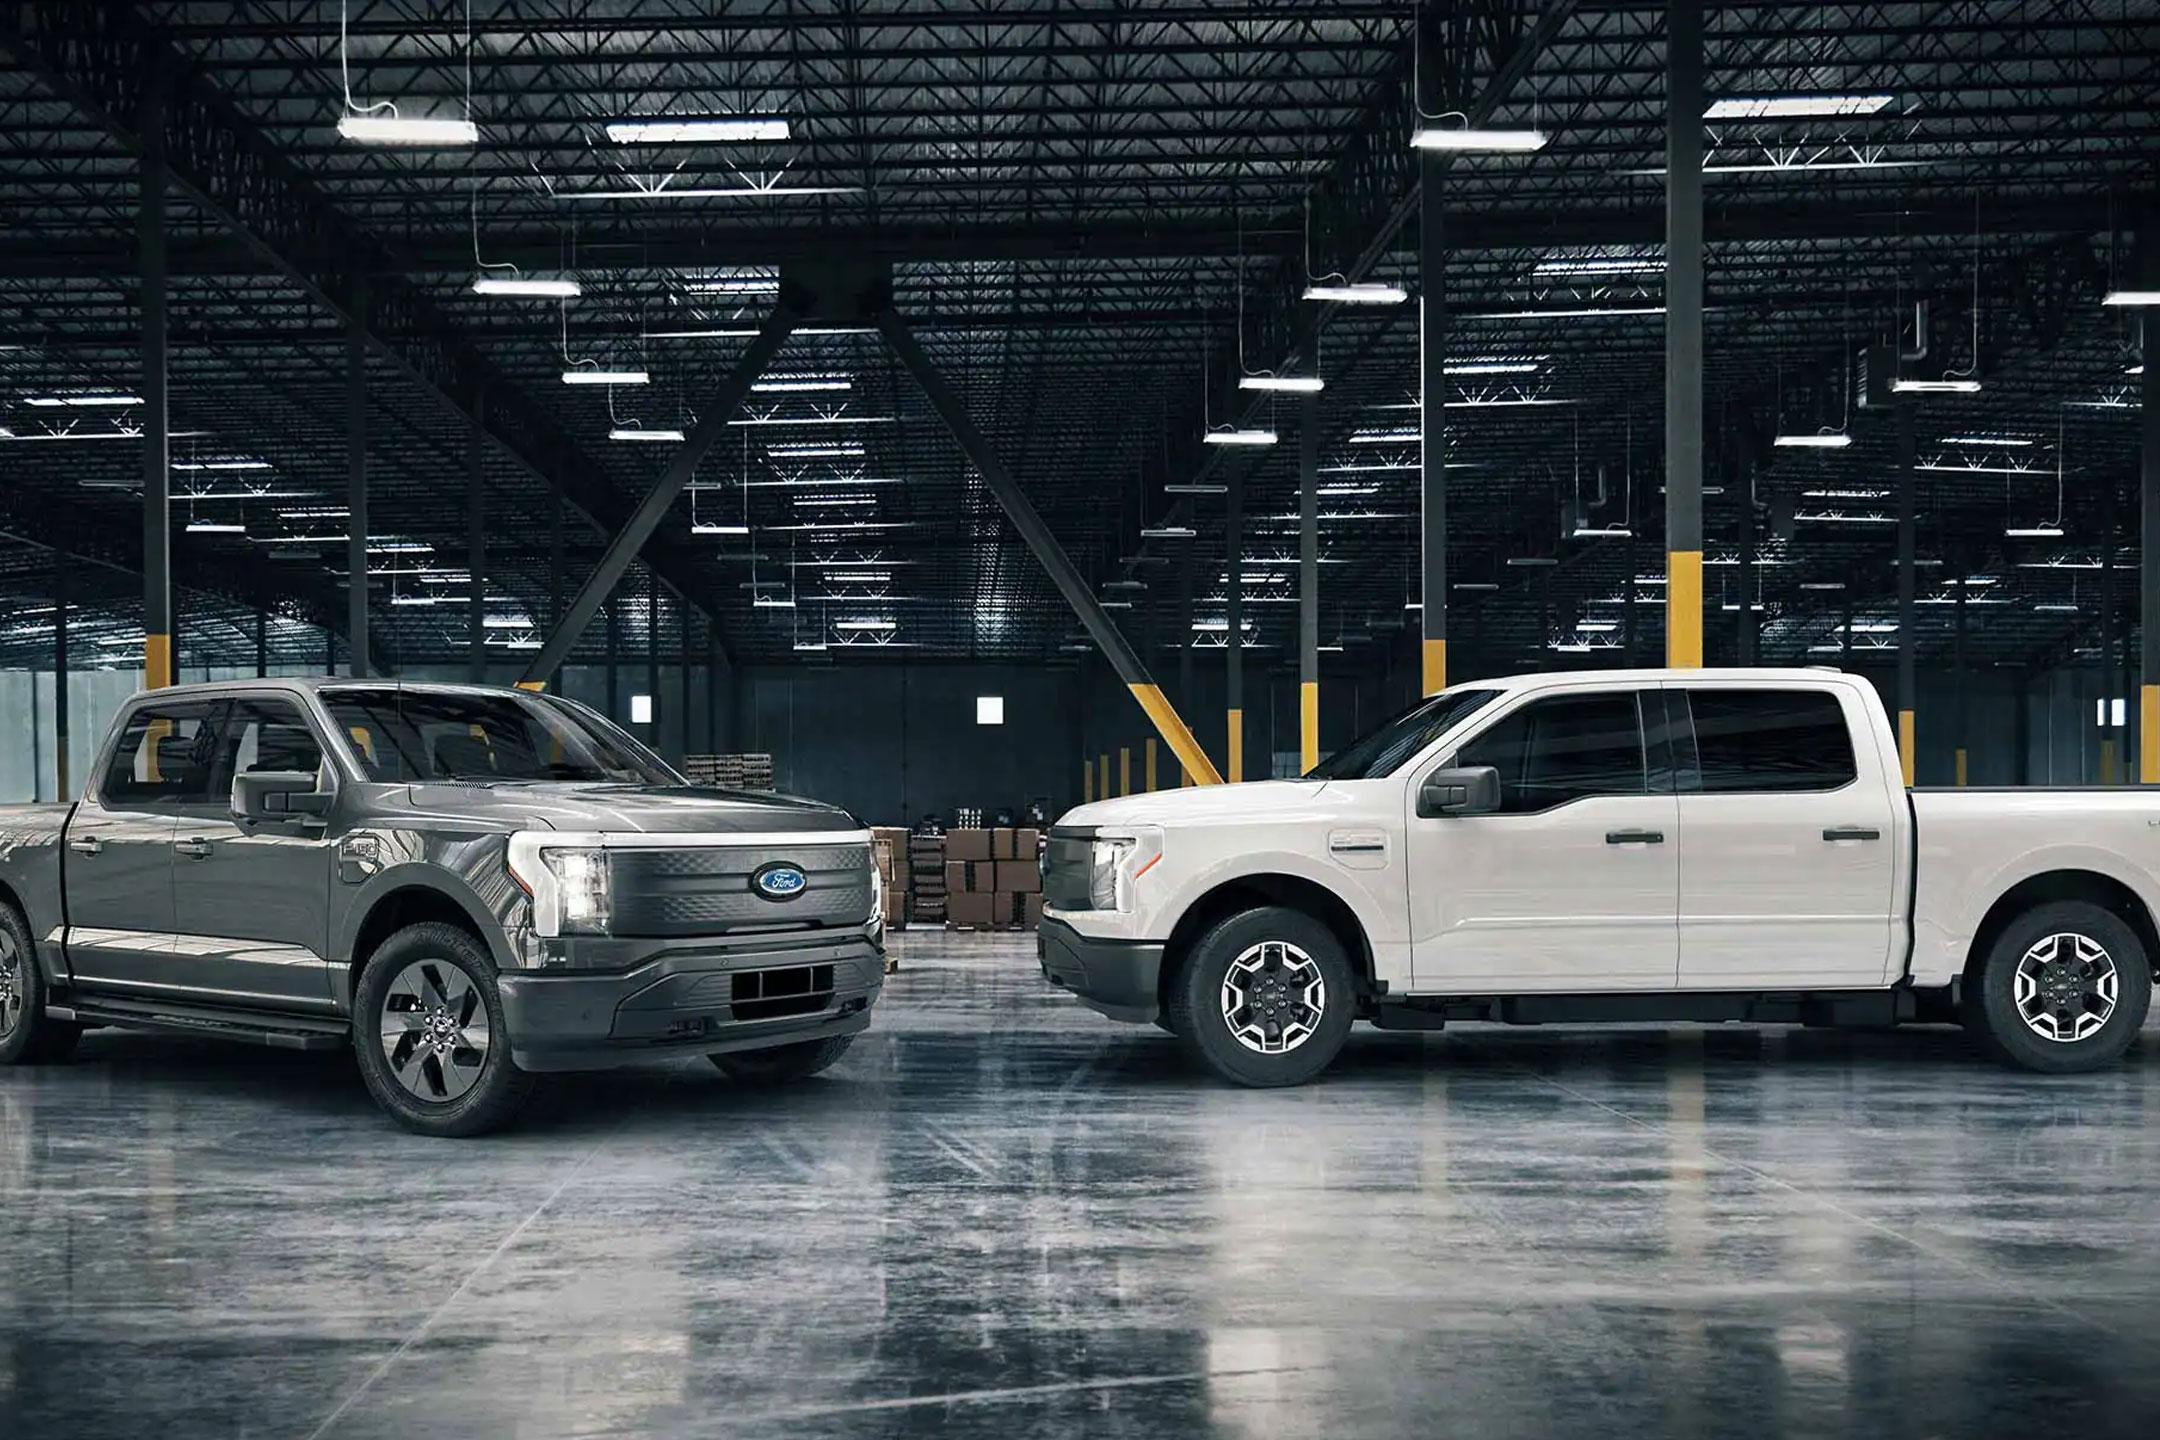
<point x="1771" y="740"/>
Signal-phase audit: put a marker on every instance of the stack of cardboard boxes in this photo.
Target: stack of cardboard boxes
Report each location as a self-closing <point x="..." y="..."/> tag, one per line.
<point x="889" y="846"/>
<point x="993" y="879"/>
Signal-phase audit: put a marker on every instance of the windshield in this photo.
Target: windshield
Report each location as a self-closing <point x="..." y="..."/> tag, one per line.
<point x="408" y="734"/>
<point x="1388" y="748"/>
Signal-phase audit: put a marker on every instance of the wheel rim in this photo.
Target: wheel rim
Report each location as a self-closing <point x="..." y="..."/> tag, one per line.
<point x="14" y="985"/>
<point x="2066" y="987"/>
<point x="434" y="1030"/>
<point x="1273" y="996"/>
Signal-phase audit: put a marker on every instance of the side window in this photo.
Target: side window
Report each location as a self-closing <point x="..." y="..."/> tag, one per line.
<point x="1566" y="748"/>
<point x="164" y="757"/>
<point x="266" y="734"/>
<point x="1771" y="740"/>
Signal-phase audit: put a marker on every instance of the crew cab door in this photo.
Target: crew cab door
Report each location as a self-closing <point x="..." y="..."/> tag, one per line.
<point x="250" y="900"/>
<point x="1788" y="860"/>
<point x="117" y="872"/>
<point x="1574" y="883"/>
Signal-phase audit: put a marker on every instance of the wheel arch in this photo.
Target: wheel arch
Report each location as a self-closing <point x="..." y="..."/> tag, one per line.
<point x="2049" y="886"/>
<point x="1251" y="892"/>
<point x="409" y="903"/>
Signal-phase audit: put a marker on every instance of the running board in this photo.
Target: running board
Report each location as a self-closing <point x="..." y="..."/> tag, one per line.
<point x="253" y="1027"/>
<point x="1752" y="1007"/>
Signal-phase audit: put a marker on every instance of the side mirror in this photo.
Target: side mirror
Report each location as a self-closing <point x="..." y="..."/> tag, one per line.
<point x="1466" y="790"/>
<point x="277" y="795"/>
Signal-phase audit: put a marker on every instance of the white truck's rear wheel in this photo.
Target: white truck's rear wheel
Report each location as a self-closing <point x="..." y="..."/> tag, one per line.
<point x="2064" y="987"/>
<point x="1265" y="998"/>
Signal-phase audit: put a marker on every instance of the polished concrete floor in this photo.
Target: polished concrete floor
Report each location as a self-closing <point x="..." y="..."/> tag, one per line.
<point x="1003" y="1216"/>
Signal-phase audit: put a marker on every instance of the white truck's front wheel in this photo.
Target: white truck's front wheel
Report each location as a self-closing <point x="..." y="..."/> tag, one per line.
<point x="2064" y="987"/>
<point x="1265" y="998"/>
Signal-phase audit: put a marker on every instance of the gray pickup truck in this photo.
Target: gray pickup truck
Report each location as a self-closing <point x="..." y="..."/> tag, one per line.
<point x="473" y="886"/>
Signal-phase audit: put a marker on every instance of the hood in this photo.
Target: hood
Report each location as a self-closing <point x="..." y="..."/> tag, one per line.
<point x="604" y="805"/>
<point x="1253" y="800"/>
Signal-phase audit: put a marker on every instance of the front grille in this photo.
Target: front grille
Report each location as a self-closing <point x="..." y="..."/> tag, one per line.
<point x="1066" y="860"/>
<point x="706" y="890"/>
<point x="771" y="994"/>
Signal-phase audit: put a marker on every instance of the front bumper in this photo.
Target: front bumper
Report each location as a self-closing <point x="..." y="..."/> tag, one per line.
<point x="701" y="997"/>
<point x="1118" y="978"/>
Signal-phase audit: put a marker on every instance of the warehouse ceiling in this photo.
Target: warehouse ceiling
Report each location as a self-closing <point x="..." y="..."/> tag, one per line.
<point x="1097" y="215"/>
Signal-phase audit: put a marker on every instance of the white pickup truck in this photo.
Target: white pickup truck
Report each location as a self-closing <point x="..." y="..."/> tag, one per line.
<point x="1657" y="845"/>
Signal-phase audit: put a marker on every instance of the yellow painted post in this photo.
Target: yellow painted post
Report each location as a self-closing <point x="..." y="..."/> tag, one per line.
<point x="1961" y="767"/>
<point x="2107" y="761"/>
<point x="1087" y="781"/>
<point x="1124" y="770"/>
<point x="1237" y="747"/>
<point x="2149" y="734"/>
<point x="1905" y="744"/>
<point x="1309" y="724"/>
<point x="1683" y="613"/>
<point x="1151" y="763"/>
<point x="1103" y="778"/>
<point x="1434" y="667"/>
<point x="157" y="661"/>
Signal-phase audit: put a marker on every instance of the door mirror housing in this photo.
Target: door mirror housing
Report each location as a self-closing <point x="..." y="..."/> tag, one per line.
<point x="278" y="795"/>
<point x="1464" y="790"/>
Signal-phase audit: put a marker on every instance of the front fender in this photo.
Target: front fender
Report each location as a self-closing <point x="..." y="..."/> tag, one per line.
<point x="467" y="868"/>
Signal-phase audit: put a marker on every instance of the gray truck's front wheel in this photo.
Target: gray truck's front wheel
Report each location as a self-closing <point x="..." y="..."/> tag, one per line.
<point x="782" y="1063"/>
<point x="1265" y="998"/>
<point x="2064" y="987"/>
<point x="27" y="1034"/>
<point x="428" y="1028"/>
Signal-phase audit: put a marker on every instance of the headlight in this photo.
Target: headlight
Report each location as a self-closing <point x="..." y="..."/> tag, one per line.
<point x="568" y="885"/>
<point x="1108" y="887"/>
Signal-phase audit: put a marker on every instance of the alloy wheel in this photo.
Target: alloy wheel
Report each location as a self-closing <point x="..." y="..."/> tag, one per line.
<point x="2065" y="987"/>
<point x="435" y="1030"/>
<point x="14" y="984"/>
<point x="1273" y="997"/>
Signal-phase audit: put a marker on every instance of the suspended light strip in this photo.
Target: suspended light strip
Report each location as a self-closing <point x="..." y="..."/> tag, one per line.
<point x="710" y="192"/>
<point x="811" y="450"/>
<point x="215" y="527"/>
<point x="1240" y="437"/>
<point x="633" y="432"/>
<point x="83" y="402"/>
<point x="735" y="285"/>
<point x="1602" y="265"/>
<point x="706" y="527"/>
<point x="1166" y="532"/>
<point x="815" y="420"/>
<point x="407" y="130"/>
<point x="1935" y="387"/>
<point x="2131" y="297"/>
<point x="716" y="130"/>
<point x="865" y="625"/>
<point x="221" y="464"/>
<point x="1362" y="292"/>
<point x="518" y="285"/>
<point x="2000" y="440"/>
<point x="1493" y="367"/>
<point x="1385" y="437"/>
<point x="743" y="332"/>
<point x="1834" y="518"/>
<point x="606" y="377"/>
<point x="1196" y="487"/>
<point x="1794" y="107"/>
<point x="1813" y="442"/>
<point x="1603" y="532"/>
<point x="1474" y="140"/>
<point x="2033" y="532"/>
<point x="800" y="384"/>
<point x="1976" y="468"/>
<point x="1844" y="494"/>
<point x="1584" y="313"/>
<point x="1286" y="384"/>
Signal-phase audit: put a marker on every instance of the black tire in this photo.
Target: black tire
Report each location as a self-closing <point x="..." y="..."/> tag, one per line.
<point x="783" y="1063"/>
<point x="1197" y="1007"/>
<point x="28" y="1036"/>
<point x="488" y="1094"/>
<point x="2088" y="942"/>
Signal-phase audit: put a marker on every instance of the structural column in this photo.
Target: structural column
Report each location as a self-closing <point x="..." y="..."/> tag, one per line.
<point x="356" y="534"/>
<point x="262" y="644"/>
<point x="1186" y="566"/>
<point x="2148" y="750"/>
<point x="1908" y="638"/>
<point x="652" y="662"/>
<point x="62" y="789"/>
<point x="614" y="633"/>
<point x="1962" y="712"/>
<point x="1683" y="332"/>
<point x="476" y="544"/>
<point x="157" y="514"/>
<point x="1309" y="585"/>
<point x="1432" y="426"/>
<point x="1234" y="637"/>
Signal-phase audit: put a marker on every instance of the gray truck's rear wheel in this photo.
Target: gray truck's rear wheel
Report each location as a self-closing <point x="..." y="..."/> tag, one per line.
<point x="27" y="1034"/>
<point x="782" y="1063"/>
<point x="2064" y="987"/>
<point x="1265" y="998"/>
<point x="428" y="1029"/>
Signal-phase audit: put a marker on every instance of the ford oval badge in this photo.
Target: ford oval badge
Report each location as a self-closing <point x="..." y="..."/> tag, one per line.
<point x="780" y="881"/>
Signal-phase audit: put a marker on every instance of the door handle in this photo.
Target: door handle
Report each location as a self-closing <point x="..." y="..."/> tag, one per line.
<point x="1852" y="832"/>
<point x="195" y="848"/>
<point x="86" y="845"/>
<point x="1634" y="837"/>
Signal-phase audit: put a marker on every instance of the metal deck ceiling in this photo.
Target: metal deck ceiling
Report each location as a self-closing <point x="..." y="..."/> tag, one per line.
<point x="1092" y="210"/>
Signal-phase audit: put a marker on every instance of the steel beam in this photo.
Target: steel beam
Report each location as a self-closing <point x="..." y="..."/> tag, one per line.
<point x="1432" y="426"/>
<point x="1908" y="637"/>
<point x="476" y="543"/>
<point x="1234" y="634"/>
<point x="1048" y="553"/>
<point x="712" y="425"/>
<point x="157" y="443"/>
<point x="652" y="664"/>
<point x="1308" y="584"/>
<point x="356" y="496"/>
<point x="1683" y="332"/>
<point x="262" y="644"/>
<point x="2149" y="513"/>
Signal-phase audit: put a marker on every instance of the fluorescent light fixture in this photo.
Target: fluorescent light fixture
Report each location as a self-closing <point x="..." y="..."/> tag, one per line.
<point x="1285" y="384"/>
<point x="407" y="130"/>
<point x="2055" y="607"/>
<point x="82" y="402"/>
<point x="772" y="602"/>
<point x="1532" y="562"/>
<point x="1492" y="367"/>
<point x="708" y="192"/>
<point x="215" y="527"/>
<point x="815" y="420"/>
<point x="1976" y="468"/>
<point x="1480" y="586"/>
<point x="719" y="129"/>
<point x="1602" y="265"/>
<point x="520" y="285"/>
<point x="1813" y="442"/>
<point x="507" y="622"/>
<point x="1470" y="139"/>
<point x="816" y="450"/>
<point x="1603" y="532"/>
<point x="1997" y="440"/>
<point x="860" y="577"/>
<point x="1166" y="532"/>
<point x="1335" y="490"/>
<point x="1196" y="487"/>
<point x="1240" y="437"/>
<point x="1822" y="585"/>
<point x="415" y="600"/>
<point x="2137" y="369"/>
<point x="1935" y="387"/>
<point x="1598" y="627"/>
<point x="812" y="646"/>
<point x="223" y="465"/>
<point x="741" y="332"/>
<point x="1794" y="107"/>
<point x="2131" y="297"/>
<point x="2033" y="532"/>
<point x="1362" y="292"/>
<point x="877" y="626"/>
<point x="735" y="285"/>
<point x="606" y="377"/>
<point x="1584" y="313"/>
<point x="1833" y="517"/>
<point x="706" y="527"/>
<point x="800" y="384"/>
<point x="833" y="499"/>
<point x="1385" y="437"/>
<point x="641" y="709"/>
<point x="637" y="432"/>
<point x="1845" y="494"/>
